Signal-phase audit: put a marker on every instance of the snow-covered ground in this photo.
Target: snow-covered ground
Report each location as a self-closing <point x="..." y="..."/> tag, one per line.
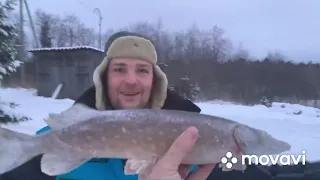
<point x="33" y="106"/>
<point x="301" y="131"/>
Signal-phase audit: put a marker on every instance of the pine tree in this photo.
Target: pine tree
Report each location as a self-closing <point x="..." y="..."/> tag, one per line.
<point x="8" y="115"/>
<point x="8" y="35"/>
<point x="8" y="64"/>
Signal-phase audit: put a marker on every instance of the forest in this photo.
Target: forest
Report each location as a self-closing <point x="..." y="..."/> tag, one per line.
<point x="202" y="64"/>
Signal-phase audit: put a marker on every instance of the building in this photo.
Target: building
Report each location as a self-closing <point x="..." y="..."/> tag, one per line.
<point x="71" y="66"/>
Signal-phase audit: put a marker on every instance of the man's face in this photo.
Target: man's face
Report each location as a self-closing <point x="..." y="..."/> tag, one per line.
<point x="129" y="83"/>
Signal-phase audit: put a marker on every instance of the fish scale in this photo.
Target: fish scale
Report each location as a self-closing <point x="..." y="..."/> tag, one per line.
<point x="81" y="133"/>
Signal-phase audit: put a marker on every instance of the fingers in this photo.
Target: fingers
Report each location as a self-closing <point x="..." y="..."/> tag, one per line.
<point x="202" y="172"/>
<point x="169" y="166"/>
<point x="184" y="170"/>
<point x="180" y="148"/>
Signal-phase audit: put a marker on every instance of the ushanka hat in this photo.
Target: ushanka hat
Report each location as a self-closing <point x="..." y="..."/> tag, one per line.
<point x="131" y="46"/>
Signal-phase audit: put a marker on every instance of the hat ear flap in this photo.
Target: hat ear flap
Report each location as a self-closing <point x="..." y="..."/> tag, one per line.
<point x="98" y="82"/>
<point x="159" y="91"/>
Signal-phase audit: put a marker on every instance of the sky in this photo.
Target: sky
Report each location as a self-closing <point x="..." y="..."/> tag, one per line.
<point x="288" y="26"/>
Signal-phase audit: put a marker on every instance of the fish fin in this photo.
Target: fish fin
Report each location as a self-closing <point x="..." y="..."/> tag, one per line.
<point x="247" y="139"/>
<point x="16" y="148"/>
<point x="54" y="122"/>
<point x="134" y="166"/>
<point x="53" y="164"/>
<point x="74" y="114"/>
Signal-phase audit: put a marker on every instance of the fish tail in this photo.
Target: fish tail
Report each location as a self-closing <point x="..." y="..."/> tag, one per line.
<point x="16" y="149"/>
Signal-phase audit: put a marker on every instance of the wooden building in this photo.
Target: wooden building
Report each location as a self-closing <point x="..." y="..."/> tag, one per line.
<point x="72" y="66"/>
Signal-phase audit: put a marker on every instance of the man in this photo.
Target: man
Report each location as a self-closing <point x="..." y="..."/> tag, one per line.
<point x="127" y="78"/>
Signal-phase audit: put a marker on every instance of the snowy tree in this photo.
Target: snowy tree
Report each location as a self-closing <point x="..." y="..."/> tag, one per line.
<point x="186" y="89"/>
<point x="8" y="35"/>
<point x="195" y="90"/>
<point x="8" y="64"/>
<point x="240" y="53"/>
<point x="8" y="113"/>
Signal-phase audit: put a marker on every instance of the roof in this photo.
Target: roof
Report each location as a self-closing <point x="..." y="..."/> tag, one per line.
<point x="65" y="49"/>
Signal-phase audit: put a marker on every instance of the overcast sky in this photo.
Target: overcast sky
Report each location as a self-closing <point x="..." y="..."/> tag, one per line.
<point x="291" y="26"/>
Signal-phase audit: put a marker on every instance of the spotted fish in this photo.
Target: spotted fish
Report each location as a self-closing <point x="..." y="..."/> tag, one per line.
<point x="141" y="136"/>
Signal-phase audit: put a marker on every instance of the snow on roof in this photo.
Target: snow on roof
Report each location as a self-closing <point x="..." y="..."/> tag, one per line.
<point x="64" y="48"/>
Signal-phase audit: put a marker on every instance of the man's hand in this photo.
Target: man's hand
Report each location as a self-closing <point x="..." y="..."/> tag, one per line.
<point x="169" y="166"/>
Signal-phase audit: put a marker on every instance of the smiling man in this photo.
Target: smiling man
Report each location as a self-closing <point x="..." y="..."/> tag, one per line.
<point x="129" y="82"/>
<point x="128" y="77"/>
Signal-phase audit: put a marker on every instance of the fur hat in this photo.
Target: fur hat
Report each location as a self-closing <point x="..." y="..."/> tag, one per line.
<point x="131" y="47"/>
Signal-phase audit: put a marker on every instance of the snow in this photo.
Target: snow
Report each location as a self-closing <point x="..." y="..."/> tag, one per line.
<point x="65" y="48"/>
<point x="16" y="63"/>
<point x="301" y="131"/>
<point x="33" y="106"/>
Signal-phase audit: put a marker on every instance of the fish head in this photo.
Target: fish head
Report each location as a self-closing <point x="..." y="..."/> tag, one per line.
<point x="253" y="141"/>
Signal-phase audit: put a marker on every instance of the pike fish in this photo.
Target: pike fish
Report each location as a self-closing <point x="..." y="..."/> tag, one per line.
<point x="141" y="136"/>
